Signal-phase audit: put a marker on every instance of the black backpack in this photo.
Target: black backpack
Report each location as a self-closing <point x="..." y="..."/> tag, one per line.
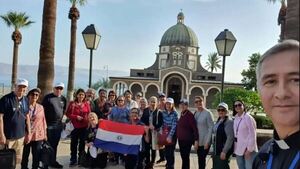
<point x="46" y="153"/>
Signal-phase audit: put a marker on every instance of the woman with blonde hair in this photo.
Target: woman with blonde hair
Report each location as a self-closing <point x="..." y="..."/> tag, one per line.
<point x="101" y="159"/>
<point x="170" y="118"/>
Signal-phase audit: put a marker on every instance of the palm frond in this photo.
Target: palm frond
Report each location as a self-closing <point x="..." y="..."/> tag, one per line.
<point x="213" y="62"/>
<point x="80" y="2"/>
<point x="17" y="20"/>
<point x="6" y="20"/>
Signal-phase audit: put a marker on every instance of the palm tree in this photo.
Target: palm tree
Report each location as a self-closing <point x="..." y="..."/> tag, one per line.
<point x="46" y="62"/>
<point x="292" y="18"/>
<point x="213" y="62"/>
<point x="74" y="16"/>
<point x="104" y="83"/>
<point x="16" y="20"/>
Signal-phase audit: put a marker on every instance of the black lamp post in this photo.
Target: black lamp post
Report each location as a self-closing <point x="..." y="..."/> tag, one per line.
<point x="91" y="37"/>
<point x="225" y="42"/>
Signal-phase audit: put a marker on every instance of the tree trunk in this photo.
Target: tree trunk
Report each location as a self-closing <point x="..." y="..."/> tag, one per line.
<point x="292" y="20"/>
<point x="14" y="66"/>
<point x="72" y="59"/>
<point x="47" y="48"/>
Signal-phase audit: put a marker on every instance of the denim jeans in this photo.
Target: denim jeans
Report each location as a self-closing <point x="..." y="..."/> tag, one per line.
<point x="53" y="135"/>
<point x="245" y="163"/>
<point x="169" y="153"/>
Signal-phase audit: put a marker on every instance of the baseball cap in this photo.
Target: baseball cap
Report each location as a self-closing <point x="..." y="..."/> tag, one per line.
<point x="60" y="84"/>
<point x="22" y="82"/>
<point x="161" y="94"/>
<point x="184" y="101"/>
<point x="222" y="104"/>
<point x="139" y="94"/>
<point x="170" y="100"/>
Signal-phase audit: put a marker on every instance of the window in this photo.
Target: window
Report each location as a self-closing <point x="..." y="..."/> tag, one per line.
<point x="177" y="58"/>
<point x="163" y="63"/>
<point x="201" y="77"/>
<point x="120" y="88"/>
<point x="211" y="77"/>
<point x="150" y="74"/>
<point x="140" y="74"/>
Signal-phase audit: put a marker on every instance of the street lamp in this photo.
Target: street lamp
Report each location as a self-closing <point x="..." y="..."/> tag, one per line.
<point x="225" y="42"/>
<point x="91" y="37"/>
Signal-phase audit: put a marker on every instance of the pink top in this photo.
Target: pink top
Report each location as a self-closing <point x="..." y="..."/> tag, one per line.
<point x="38" y="123"/>
<point x="245" y="131"/>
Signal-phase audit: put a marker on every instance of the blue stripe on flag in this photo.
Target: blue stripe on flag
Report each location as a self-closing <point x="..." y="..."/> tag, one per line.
<point x="117" y="147"/>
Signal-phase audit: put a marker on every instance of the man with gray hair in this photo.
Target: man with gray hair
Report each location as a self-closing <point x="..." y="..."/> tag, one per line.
<point x="278" y="85"/>
<point x="14" y="118"/>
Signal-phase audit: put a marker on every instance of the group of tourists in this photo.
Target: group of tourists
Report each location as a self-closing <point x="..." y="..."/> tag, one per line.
<point x="25" y="124"/>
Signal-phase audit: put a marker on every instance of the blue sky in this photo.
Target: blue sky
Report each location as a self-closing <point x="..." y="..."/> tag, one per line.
<point x="131" y="30"/>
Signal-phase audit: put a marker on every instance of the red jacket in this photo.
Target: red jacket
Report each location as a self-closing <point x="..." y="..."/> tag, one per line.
<point x="74" y="110"/>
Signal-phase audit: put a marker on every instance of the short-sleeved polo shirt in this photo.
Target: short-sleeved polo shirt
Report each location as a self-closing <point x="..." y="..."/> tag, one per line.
<point x="14" y="115"/>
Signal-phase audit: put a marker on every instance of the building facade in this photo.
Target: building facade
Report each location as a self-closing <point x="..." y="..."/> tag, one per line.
<point x="177" y="70"/>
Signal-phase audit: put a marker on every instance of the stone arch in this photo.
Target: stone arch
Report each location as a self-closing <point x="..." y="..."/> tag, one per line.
<point x="135" y="88"/>
<point x="149" y="84"/>
<point x="210" y="96"/>
<point x="174" y="73"/>
<point x="195" y="91"/>
<point x="151" y="90"/>
<point x="120" y="87"/>
<point x="211" y="87"/>
<point x="175" y="86"/>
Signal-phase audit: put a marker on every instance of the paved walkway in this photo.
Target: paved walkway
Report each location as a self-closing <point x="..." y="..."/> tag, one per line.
<point x="64" y="157"/>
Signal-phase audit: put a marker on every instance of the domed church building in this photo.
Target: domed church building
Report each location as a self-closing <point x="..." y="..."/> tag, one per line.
<point x="177" y="70"/>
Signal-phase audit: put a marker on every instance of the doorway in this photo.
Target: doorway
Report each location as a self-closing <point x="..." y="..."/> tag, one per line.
<point x="174" y="86"/>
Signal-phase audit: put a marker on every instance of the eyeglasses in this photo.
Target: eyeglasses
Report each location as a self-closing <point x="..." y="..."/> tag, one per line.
<point x="198" y="101"/>
<point x="221" y="110"/>
<point x="34" y="94"/>
<point x="59" y="88"/>
<point x="120" y="100"/>
<point x="134" y="112"/>
<point x="238" y="105"/>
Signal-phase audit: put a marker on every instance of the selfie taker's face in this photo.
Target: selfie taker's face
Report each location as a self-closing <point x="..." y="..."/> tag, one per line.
<point x="279" y="88"/>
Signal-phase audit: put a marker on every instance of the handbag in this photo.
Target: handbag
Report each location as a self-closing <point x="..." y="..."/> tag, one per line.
<point x="8" y="158"/>
<point x="46" y="153"/>
<point x="85" y="160"/>
<point x="163" y="135"/>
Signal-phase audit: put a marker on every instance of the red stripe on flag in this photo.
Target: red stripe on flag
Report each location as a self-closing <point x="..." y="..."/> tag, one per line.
<point x="121" y="127"/>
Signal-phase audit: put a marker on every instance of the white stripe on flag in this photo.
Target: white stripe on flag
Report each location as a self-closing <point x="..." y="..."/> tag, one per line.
<point x="126" y="139"/>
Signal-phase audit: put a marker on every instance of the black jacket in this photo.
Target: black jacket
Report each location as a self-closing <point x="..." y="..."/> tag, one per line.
<point x="282" y="156"/>
<point x="157" y="118"/>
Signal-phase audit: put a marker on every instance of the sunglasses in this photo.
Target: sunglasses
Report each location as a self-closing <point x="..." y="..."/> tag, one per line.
<point x="59" y="88"/>
<point x="238" y="105"/>
<point x="221" y="110"/>
<point x="120" y="100"/>
<point x="198" y="101"/>
<point x="134" y="112"/>
<point x="34" y="94"/>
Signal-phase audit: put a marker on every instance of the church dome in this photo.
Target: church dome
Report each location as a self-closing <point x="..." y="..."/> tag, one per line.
<point x="179" y="34"/>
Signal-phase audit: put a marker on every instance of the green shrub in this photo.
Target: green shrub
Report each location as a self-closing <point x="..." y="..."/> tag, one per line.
<point x="263" y="122"/>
